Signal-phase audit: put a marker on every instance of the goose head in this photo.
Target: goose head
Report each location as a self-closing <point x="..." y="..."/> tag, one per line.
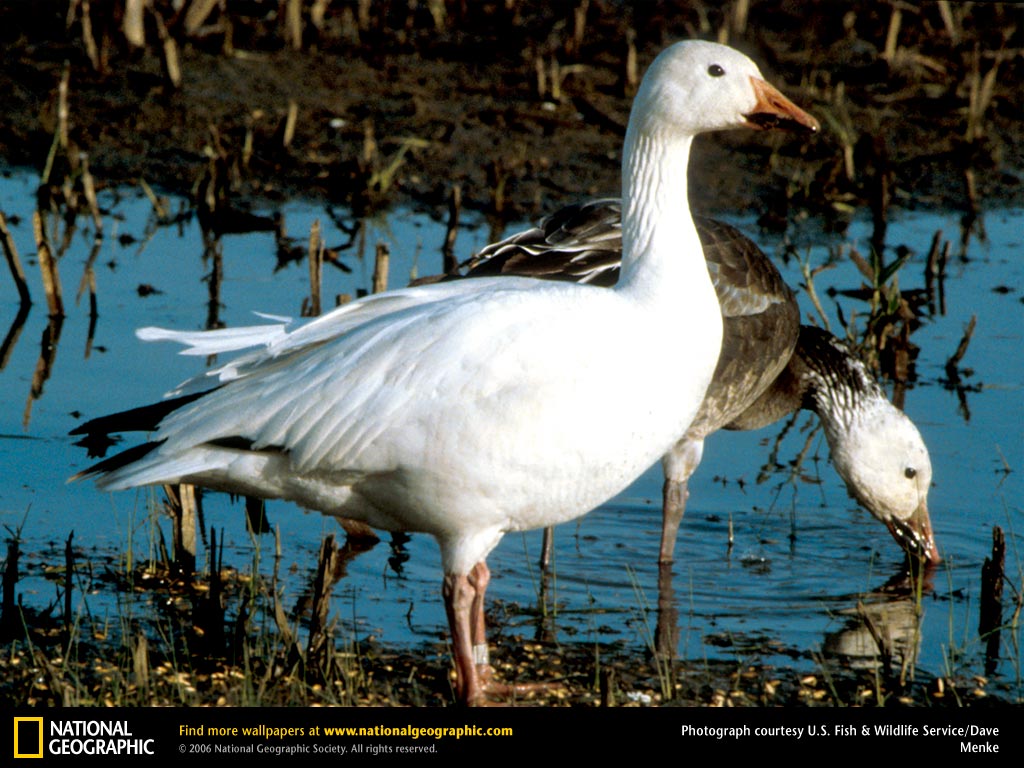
<point x="696" y="86"/>
<point x="886" y="467"/>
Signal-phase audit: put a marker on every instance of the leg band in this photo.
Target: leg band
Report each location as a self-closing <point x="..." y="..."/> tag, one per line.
<point x="480" y="654"/>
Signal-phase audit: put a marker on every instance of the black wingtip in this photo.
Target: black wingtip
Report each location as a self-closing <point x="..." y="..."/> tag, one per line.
<point x="145" y="418"/>
<point x="117" y="461"/>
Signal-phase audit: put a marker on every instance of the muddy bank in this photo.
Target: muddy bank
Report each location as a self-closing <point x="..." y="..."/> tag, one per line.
<point x="129" y="667"/>
<point x="521" y="105"/>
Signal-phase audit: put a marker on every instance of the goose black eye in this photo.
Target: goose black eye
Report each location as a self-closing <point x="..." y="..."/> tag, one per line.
<point x="715" y="70"/>
<point x="910" y="473"/>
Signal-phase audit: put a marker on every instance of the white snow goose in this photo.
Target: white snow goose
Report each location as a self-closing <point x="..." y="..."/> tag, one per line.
<point x="466" y="409"/>
<point x="769" y="367"/>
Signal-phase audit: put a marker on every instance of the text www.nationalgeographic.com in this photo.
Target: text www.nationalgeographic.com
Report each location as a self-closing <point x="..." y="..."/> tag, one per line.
<point x="417" y="732"/>
<point x="407" y="731"/>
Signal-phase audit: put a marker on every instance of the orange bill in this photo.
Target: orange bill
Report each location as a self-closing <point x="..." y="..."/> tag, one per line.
<point x="773" y="110"/>
<point x="915" y="535"/>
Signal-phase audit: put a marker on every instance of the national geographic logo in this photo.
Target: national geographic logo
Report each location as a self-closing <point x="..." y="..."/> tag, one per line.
<point x="28" y="737"/>
<point x="33" y="738"/>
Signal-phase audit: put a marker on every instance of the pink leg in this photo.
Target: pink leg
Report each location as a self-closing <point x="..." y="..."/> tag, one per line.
<point x="678" y="464"/>
<point x="674" y="495"/>
<point x="479" y="578"/>
<point x="459" y="595"/>
<point x="464" y="603"/>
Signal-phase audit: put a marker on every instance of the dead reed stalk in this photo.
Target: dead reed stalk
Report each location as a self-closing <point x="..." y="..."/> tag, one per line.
<point x="949" y="21"/>
<point x="133" y="23"/>
<point x="631" y="73"/>
<point x="171" y="64"/>
<point x="380" y="268"/>
<point x="89" y="191"/>
<point x="62" y="106"/>
<point x="318" y="14"/>
<point x="293" y="24"/>
<point x="980" y="92"/>
<point x="181" y="506"/>
<point x="935" y="273"/>
<point x="197" y="14"/>
<point x="450" y="264"/>
<point x="48" y="268"/>
<point x="579" y="26"/>
<point x="991" y="610"/>
<point x="954" y="361"/>
<point x="893" y="33"/>
<point x="69" y="573"/>
<point x="91" y="49"/>
<point x="10" y="619"/>
<point x="290" y="120"/>
<point x="738" y="17"/>
<point x="61" y="139"/>
<point x="541" y="74"/>
<point x="159" y="206"/>
<point x="140" y="663"/>
<point x="328" y="563"/>
<point x="316" y="270"/>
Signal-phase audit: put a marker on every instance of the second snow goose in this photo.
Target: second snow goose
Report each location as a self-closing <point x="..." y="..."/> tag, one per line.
<point x="467" y="410"/>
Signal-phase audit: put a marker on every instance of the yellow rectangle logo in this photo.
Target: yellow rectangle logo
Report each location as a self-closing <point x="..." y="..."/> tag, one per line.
<point x="27" y="743"/>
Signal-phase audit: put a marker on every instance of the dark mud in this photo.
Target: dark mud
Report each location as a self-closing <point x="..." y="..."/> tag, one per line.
<point x="391" y="104"/>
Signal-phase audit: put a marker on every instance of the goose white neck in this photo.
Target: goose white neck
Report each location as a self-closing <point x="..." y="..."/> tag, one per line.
<point x="661" y="251"/>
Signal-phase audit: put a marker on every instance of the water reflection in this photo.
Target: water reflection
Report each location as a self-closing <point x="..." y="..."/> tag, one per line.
<point x="13" y="333"/>
<point x="213" y="259"/>
<point x="44" y="365"/>
<point x="883" y="630"/>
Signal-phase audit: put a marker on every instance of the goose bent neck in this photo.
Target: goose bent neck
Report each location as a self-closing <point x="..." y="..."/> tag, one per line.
<point x="661" y="252"/>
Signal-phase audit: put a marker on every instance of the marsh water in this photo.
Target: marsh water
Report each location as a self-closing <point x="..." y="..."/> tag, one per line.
<point x="786" y="591"/>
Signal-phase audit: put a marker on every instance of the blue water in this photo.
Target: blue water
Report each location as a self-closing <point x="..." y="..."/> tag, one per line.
<point x="803" y="556"/>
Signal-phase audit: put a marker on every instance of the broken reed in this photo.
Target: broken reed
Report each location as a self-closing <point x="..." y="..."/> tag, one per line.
<point x="48" y="268"/>
<point x="182" y="506"/>
<point x="990" y="619"/>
